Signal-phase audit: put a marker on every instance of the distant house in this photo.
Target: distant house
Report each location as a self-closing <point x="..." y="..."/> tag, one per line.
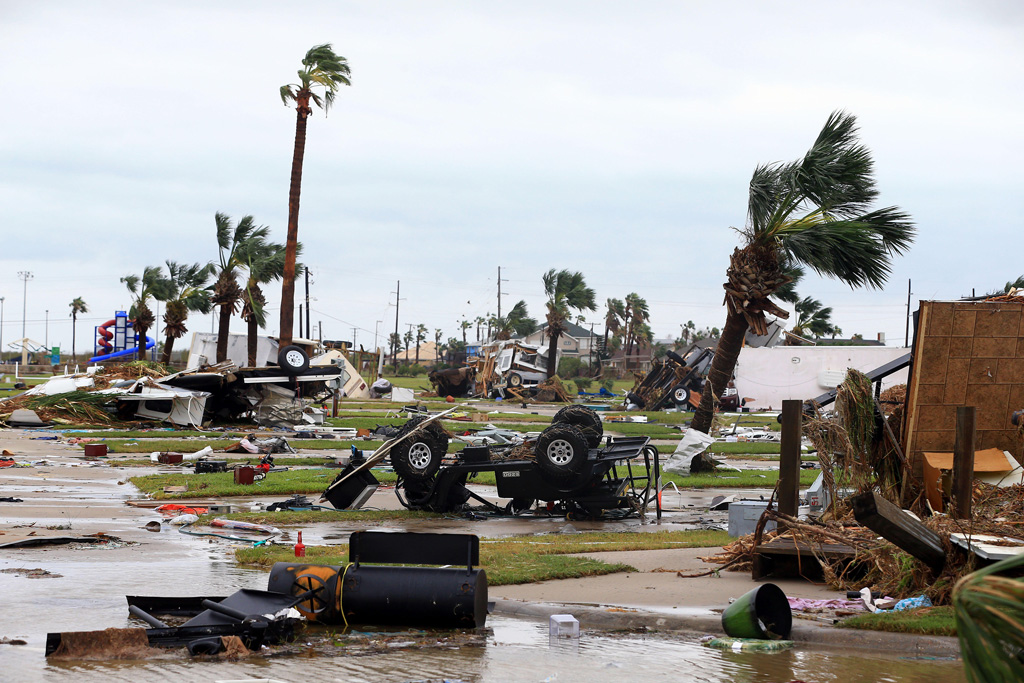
<point x="427" y="358"/>
<point x="575" y="342"/>
<point x="639" y="360"/>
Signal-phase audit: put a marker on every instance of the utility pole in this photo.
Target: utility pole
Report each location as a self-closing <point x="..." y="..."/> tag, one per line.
<point x="308" y="334"/>
<point x="376" y="325"/>
<point x="394" y="349"/>
<point x="2" y="299"/>
<point x="320" y="324"/>
<point x="906" y="334"/>
<point x="46" y="333"/>
<point x="499" y="291"/>
<point x="25" y="276"/>
<point x="354" y="338"/>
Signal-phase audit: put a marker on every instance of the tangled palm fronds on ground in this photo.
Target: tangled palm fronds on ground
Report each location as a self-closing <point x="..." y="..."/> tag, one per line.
<point x="989" y="610"/>
<point x="73" y="406"/>
<point x="129" y="371"/>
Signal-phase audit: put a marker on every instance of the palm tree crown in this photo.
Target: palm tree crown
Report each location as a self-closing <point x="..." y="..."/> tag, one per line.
<point x="813" y="212"/>
<point x="186" y="293"/>
<point x="77" y="306"/>
<point x="566" y="292"/>
<point x="152" y="285"/>
<point x="812" y="318"/>
<point x="233" y="243"/>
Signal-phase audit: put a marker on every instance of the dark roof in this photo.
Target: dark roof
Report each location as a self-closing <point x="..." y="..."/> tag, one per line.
<point x="573" y="330"/>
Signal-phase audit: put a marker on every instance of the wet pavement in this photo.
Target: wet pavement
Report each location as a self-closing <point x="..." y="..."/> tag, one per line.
<point x="89" y="583"/>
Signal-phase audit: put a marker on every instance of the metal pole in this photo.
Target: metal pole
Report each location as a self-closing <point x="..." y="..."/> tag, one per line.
<point x="789" y="459"/>
<point x="308" y="334"/>
<point x="394" y="349"/>
<point x="906" y="334"/>
<point x="46" y="333"/>
<point x="2" y="328"/>
<point x="377" y="325"/>
<point x="25" y="276"/>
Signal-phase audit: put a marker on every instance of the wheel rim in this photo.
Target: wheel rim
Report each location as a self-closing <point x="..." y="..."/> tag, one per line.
<point x="293" y="358"/>
<point x="560" y="452"/>
<point x="419" y="456"/>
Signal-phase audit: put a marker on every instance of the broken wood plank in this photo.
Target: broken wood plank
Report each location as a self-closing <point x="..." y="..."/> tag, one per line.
<point x="899" y="528"/>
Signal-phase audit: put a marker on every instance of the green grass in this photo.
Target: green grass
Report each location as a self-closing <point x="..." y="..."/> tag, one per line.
<point x="524" y="559"/>
<point x="930" y="621"/>
<point x="221" y="484"/>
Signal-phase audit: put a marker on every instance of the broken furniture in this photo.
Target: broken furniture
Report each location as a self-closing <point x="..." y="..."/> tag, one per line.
<point x="372" y="594"/>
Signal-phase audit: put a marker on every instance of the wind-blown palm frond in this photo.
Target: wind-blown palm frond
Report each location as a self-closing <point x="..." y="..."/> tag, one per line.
<point x="989" y="611"/>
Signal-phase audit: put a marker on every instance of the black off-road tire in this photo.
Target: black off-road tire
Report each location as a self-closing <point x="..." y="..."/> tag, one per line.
<point x="636" y="400"/>
<point x="515" y="380"/>
<point x="584" y="419"/>
<point x="561" y="452"/>
<point x="419" y="456"/>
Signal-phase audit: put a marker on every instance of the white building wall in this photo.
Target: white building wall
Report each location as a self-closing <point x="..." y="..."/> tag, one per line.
<point x="770" y="375"/>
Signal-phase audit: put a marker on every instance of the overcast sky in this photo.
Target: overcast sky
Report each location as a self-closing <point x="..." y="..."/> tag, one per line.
<point x="612" y="138"/>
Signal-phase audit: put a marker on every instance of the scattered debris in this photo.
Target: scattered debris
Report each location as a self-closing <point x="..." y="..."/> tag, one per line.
<point x="36" y="573"/>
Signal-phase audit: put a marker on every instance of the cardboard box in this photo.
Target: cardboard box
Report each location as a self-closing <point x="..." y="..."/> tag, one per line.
<point x="991" y="465"/>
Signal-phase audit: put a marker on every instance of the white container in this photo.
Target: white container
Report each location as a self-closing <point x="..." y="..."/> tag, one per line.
<point x="563" y="626"/>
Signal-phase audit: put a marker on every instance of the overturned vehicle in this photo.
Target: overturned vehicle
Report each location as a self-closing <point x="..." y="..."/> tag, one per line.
<point x="570" y="468"/>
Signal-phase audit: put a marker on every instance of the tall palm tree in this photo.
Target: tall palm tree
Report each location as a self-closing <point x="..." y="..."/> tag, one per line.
<point x="77" y="306"/>
<point x="152" y="285"/>
<point x="465" y="325"/>
<point x="566" y="292"/>
<point x="516" y="321"/>
<point x="232" y="243"/>
<point x="321" y="68"/>
<point x="812" y="318"/>
<point x="186" y="292"/>
<point x="264" y="263"/>
<point x="812" y="212"/>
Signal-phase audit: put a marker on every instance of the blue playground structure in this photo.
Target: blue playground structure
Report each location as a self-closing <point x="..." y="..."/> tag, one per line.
<point x="115" y="342"/>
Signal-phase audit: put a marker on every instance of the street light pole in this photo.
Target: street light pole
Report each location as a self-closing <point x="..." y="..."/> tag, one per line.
<point x="46" y="337"/>
<point x="375" y="335"/>
<point x="2" y="329"/>
<point x="25" y="276"/>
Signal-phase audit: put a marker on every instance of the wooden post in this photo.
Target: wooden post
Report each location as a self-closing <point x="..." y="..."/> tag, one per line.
<point x="789" y="460"/>
<point x="334" y="407"/>
<point x="963" y="462"/>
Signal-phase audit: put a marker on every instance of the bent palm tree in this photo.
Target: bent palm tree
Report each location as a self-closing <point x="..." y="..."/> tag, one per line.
<point x="637" y="315"/>
<point x="812" y="212"/>
<point x="320" y="68"/>
<point x="152" y="285"/>
<point x="77" y="306"/>
<point x="232" y="243"/>
<point x="812" y="319"/>
<point x="186" y="292"/>
<point x="566" y="292"/>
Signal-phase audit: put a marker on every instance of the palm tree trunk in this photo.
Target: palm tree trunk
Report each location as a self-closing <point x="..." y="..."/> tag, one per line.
<point x="252" y="340"/>
<point x="223" y="326"/>
<point x="288" y="279"/>
<point x="552" y="351"/>
<point x="74" y="320"/>
<point x="722" y="367"/>
<point x="141" y="331"/>
<point x="165" y="358"/>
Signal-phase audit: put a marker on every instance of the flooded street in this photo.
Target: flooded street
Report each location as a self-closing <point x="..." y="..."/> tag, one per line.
<point x="86" y="585"/>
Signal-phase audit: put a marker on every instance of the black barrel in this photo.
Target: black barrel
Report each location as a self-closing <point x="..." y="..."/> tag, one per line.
<point x="422" y="597"/>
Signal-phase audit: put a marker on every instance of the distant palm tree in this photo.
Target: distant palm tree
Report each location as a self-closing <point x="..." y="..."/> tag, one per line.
<point x="186" y="292"/>
<point x="264" y="263"/>
<point x="465" y="325"/>
<point x="437" y="344"/>
<point x="812" y="319"/>
<point x="613" y="318"/>
<point x="637" y="315"/>
<point x="421" y="336"/>
<point x="321" y="68"/>
<point x="812" y="212"/>
<point x="152" y="285"/>
<point x="232" y="243"/>
<point x="566" y="292"/>
<point x="516" y="321"/>
<point x="77" y="306"/>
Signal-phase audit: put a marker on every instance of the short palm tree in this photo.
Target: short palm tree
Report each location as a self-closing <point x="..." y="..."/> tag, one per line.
<point x="813" y="319"/>
<point x="421" y="336"/>
<point x="186" y="293"/>
<point x="516" y="321"/>
<point x="566" y="292"/>
<point x="812" y="212"/>
<point x="232" y="243"/>
<point x="264" y="263"/>
<point x="637" y="315"/>
<point x="321" y="68"/>
<point x="152" y="285"/>
<point x="77" y="306"/>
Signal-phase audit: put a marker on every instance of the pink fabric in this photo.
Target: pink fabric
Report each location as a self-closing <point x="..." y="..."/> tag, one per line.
<point x="805" y="604"/>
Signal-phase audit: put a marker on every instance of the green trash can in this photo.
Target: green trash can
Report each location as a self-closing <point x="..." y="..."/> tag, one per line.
<point x="761" y="613"/>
